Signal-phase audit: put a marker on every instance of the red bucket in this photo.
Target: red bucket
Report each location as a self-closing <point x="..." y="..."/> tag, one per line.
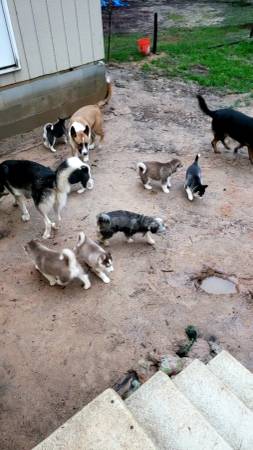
<point x="144" y="46"/>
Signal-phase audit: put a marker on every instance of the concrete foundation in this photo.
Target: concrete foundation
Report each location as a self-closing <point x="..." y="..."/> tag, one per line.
<point x="33" y="103"/>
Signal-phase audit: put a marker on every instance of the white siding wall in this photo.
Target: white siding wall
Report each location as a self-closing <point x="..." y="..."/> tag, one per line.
<point x="54" y="35"/>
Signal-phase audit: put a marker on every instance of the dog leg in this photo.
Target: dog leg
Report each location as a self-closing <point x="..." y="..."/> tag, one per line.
<point x="214" y="144"/>
<point x="250" y="152"/>
<point x="225" y="144"/>
<point x="81" y="190"/>
<point x="165" y="188"/>
<point x="52" y="280"/>
<point x="61" y="200"/>
<point x="189" y="194"/>
<point x="147" y="185"/>
<point x="149" y="239"/>
<point x="103" y="276"/>
<point x="168" y="182"/>
<point x="237" y="148"/>
<point x="21" y="203"/>
<point x="85" y="279"/>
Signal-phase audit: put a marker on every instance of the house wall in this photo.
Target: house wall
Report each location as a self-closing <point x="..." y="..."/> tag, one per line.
<point x="54" y="36"/>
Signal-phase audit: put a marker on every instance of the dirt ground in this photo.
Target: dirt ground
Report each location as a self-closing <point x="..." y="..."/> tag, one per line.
<point x="62" y="347"/>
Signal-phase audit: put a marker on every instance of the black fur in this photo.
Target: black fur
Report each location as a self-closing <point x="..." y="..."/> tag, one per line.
<point x="193" y="179"/>
<point x="228" y="122"/>
<point x="128" y="223"/>
<point x="27" y="176"/>
<point x="54" y="131"/>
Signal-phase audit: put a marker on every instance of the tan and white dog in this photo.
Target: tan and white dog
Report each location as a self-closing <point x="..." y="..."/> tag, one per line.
<point x="57" y="267"/>
<point x="86" y="123"/>
<point x="91" y="254"/>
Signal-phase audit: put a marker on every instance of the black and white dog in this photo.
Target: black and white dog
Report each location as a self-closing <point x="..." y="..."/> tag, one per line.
<point x="53" y="132"/>
<point x="128" y="223"/>
<point x="48" y="189"/>
<point x="193" y="182"/>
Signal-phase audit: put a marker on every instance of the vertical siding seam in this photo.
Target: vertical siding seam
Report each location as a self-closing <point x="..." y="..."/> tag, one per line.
<point x="23" y="45"/>
<point x="64" y="23"/>
<point x="37" y="38"/>
<point x="91" y="32"/>
<point x="79" y="37"/>
<point x="52" y="39"/>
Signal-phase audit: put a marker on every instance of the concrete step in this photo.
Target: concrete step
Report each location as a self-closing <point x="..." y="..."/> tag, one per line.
<point x="225" y="412"/>
<point x="104" y="424"/>
<point x="170" y="420"/>
<point x="234" y="375"/>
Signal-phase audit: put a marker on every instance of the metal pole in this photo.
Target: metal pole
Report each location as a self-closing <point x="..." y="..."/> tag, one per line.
<point x="109" y="31"/>
<point x="155" y="34"/>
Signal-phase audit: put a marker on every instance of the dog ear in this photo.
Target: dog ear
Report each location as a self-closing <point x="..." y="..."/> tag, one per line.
<point x="87" y="130"/>
<point x="73" y="132"/>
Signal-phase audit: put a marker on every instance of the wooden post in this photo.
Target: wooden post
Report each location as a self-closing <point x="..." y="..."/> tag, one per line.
<point x="155" y="34"/>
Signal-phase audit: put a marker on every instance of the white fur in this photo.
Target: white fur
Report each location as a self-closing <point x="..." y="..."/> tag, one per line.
<point x="148" y="185"/>
<point x="142" y="166"/>
<point x="149" y="239"/>
<point x="189" y="194"/>
<point x="73" y="163"/>
<point x="108" y="78"/>
<point x="165" y="188"/>
<point x="76" y="270"/>
<point x="78" y="126"/>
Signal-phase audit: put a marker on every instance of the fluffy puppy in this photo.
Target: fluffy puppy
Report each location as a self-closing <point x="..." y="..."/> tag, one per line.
<point x="85" y="124"/>
<point x="90" y="253"/>
<point x="53" y="132"/>
<point x="228" y="122"/>
<point x="128" y="223"/>
<point x="154" y="170"/>
<point x="193" y="183"/>
<point x="57" y="267"/>
<point x="48" y="189"/>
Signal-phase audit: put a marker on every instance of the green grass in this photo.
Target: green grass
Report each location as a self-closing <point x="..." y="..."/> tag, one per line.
<point x="184" y="51"/>
<point x="190" y="53"/>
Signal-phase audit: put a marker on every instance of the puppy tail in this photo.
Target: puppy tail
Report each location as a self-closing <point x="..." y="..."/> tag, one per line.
<point x="108" y="93"/>
<point x="203" y="106"/>
<point x="70" y="257"/>
<point x="141" y="168"/>
<point x="103" y="218"/>
<point x="196" y="160"/>
<point x="81" y="239"/>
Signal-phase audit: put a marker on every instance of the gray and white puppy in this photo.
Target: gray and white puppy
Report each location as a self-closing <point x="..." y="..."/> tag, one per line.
<point x="128" y="223"/>
<point x="154" y="170"/>
<point x="91" y="254"/>
<point x="57" y="267"/>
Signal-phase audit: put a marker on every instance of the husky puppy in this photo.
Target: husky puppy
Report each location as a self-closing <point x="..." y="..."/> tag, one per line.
<point x="193" y="183"/>
<point x="89" y="253"/>
<point x="128" y="223"/>
<point x="57" y="267"/>
<point x="53" y="132"/>
<point x="48" y="189"/>
<point x="154" y="170"/>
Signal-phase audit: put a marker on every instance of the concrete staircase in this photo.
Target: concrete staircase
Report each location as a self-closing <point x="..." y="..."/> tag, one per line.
<point x="205" y="407"/>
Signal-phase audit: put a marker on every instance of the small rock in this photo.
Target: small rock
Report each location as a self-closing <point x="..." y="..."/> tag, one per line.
<point x="170" y="364"/>
<point x="200" y="350"/>
<point x="145" y="369"/>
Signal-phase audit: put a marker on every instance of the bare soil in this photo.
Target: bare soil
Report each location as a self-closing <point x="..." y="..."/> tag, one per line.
<point x="62" y="347"/>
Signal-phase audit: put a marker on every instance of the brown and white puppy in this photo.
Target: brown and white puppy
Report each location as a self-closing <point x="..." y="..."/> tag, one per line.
<point x="154" y="170"/>
<point x="89" y="253"/>
<point x="86" y="123"/>
<point x="57" y="267"/>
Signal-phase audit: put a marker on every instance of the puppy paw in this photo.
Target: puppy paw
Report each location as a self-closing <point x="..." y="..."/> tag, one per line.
<point x="87" y="285"/>
<point x="90" y="184"/>
<point x="165" y="189"/>
<point x="46" y="235"/>
<point x="91" y="146"/>
<point x="81" y="190"/>
<point x="53" y="150"/>
<point x="130" y="240"/>
<point x="106" y="280"/>
<point x="55" y="226"/>
<point x="147" y="186"/>
<point x="25" y="217"/>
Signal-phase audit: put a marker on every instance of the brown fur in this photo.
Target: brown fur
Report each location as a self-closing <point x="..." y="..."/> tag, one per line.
<point x="91" y="118"/>
<point x="158" y="171"/>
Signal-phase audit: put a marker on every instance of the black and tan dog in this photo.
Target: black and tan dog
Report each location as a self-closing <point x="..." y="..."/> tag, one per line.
<point x="228" y="122"/>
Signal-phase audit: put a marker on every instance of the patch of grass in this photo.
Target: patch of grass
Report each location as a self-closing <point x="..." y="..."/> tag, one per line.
<point x="175" y="17"/>
<point x="185" y="50"/>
